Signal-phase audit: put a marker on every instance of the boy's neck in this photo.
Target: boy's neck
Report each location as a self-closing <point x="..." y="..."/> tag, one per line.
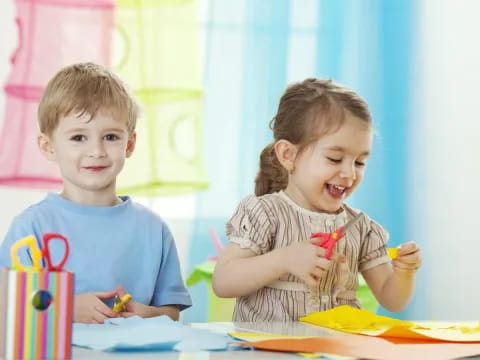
<point x="92" y="198"/>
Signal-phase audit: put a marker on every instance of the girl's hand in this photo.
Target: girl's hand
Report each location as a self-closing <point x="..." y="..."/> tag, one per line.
<point x="409" y="258"/>
<point x="90" y="309"/>
<point x="307" y="261"/>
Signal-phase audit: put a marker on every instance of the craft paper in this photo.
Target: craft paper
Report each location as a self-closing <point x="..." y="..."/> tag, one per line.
<point x="138" y="334"/>
<point x="360" y="346"/>
<point x="357" y="321"/>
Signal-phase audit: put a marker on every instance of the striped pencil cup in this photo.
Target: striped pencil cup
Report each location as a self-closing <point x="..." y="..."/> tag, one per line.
<point x="35" y="314"/>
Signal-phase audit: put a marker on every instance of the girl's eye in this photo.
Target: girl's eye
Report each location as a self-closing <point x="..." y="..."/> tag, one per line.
<point x="111" y="137"/>
<point x="335" y="161"/>
<point x="78" y="138"/>
<point x="359" y="163"/>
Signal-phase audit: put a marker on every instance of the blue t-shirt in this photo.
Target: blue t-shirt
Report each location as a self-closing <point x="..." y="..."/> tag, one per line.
<point x="125" y="244"/>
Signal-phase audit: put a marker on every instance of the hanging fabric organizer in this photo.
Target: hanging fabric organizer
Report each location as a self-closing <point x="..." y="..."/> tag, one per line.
<point x="51" y="34"/>
<point x="158" y="56"/>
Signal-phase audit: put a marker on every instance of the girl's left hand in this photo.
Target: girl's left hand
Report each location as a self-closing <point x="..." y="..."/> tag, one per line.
<point x="409" y="258"/>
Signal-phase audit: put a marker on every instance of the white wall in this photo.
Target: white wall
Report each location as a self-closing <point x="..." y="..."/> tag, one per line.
<point x="445" y="157"/>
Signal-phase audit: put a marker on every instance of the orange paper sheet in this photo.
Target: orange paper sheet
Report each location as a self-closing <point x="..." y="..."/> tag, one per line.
<point x="369" y="347"/>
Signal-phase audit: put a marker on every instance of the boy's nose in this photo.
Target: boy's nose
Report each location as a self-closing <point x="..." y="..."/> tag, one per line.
<point x="97" y="151"/>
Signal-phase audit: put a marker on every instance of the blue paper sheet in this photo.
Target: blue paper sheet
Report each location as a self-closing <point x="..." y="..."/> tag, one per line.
<point x="153" y="334"/>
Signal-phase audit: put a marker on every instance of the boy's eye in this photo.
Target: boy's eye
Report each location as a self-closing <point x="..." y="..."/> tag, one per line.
<point x="333" y="160"/>
<point x="111" y="137"/>
<point x="78" y="138"/>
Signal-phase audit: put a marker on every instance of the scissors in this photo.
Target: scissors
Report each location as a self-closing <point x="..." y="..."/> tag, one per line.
<point x="328" y="240"/>
<point x="38" y="253"/>
<point x="120" y="304"/>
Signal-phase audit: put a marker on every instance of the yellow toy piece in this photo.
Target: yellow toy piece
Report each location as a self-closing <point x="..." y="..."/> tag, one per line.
<point x="393" y="253"/>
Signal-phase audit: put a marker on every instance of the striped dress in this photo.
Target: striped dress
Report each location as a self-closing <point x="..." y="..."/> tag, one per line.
<point x="271" y="221"/>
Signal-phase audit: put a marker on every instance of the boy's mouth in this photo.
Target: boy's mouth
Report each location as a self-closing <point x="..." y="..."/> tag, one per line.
<point x="336" y="191"/>
<point x="94" y="168"/>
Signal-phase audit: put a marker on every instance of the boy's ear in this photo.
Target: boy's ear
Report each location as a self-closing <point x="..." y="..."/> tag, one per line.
<point x="286" y="154"/>
<point x="132" y="139"/>
<point x="46" y="147"/>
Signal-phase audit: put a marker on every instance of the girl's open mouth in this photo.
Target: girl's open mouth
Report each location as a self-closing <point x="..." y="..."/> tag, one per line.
<point x="335" y="191"/>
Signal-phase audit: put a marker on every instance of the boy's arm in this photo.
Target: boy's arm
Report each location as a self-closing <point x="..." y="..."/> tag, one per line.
<point x="170" y="295"/>
<point x="146" y="311"/>
<point x="173" y="311"/>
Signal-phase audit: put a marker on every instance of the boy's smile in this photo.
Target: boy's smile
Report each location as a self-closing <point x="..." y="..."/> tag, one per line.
<point x="91" y="153"/>
<point x="95" y="168"/>
<point x="327" y="172"/>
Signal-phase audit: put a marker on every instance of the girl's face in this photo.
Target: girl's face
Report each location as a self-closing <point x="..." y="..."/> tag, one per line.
<point x="331" y="168"/>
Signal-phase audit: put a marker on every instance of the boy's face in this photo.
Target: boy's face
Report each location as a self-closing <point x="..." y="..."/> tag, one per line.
<point x="90" y="152"/>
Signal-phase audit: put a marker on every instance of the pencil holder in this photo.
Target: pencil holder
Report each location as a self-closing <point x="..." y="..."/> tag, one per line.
<point x="36" y="309"/>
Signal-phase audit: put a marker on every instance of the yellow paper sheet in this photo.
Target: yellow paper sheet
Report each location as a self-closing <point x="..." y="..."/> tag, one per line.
<point x="357" y="321"/>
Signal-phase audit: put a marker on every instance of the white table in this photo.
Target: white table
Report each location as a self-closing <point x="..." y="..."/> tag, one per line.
<point x="292" y="328"/>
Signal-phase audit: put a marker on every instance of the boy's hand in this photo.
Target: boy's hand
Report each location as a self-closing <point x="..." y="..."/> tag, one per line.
<point x="90" y="309"/>
<point x="409" y="258"/>
<point x="145" y="311"/>
<point x="133" y="307"/>
<point x="307" y="261"/>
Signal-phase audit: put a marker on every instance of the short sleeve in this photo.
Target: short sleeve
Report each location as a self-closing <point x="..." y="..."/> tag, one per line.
<point x="251" y="226"/>
<point x="373" y="249"/>
<point x="18" y="229"/>
<point x="170" y="288"/>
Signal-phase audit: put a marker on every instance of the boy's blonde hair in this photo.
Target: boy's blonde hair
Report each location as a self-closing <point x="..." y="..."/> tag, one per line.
<point x="85" y="88"/>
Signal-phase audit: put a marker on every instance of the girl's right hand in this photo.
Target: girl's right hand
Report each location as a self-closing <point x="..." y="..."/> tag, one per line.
<point x="90" y="309"/>
<point x="307" y="261"/>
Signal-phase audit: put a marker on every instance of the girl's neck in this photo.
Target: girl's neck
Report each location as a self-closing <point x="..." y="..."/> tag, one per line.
<point x="296" y="196"/>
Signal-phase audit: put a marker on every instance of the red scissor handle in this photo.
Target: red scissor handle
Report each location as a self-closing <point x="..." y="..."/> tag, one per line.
<point x="329" y="240"/>
<point x="46" y="251"/>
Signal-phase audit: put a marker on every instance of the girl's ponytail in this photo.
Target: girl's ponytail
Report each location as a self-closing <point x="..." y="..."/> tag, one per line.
<point x="272" y="176"/>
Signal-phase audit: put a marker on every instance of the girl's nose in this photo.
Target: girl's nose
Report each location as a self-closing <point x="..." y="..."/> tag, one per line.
<point x="348" y="172"/>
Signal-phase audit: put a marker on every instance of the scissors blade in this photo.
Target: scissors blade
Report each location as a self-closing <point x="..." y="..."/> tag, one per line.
<point x="352" y="222"/>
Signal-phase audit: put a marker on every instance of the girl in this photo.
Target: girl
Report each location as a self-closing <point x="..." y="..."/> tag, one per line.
<point x="322" y="139"/>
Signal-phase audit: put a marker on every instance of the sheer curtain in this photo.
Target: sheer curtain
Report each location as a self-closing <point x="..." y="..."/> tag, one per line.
<point x="253" y="49"/>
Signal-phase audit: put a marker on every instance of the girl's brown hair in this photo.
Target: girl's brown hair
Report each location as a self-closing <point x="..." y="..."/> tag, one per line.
<point x="85" y="88"/>
<point x="307" y="110"/>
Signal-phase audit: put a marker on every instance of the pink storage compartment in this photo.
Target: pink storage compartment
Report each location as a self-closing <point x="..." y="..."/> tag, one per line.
<point x="21" y="163"/>
<point x="53" y="34"/>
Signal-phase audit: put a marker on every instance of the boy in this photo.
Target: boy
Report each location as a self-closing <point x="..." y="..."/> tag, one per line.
<point x="87" y="123"/>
